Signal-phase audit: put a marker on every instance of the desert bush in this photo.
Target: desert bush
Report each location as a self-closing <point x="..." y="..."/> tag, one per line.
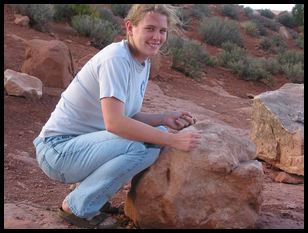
<point x="248" y="12"/>
<point x="83" y="24"/>
<point x="286" y="19"/>
<point x="267" y="13"/>
<point x="105" y="14"/>
<point x="292" y="64"/>
<point x="100" y="32"/>
<point x="184" y="17"/>
<point x="271" y="65"/>
<point x="200" y="11"/>
<point x="120" y="9"/>
<point x="246" y="67"/>
<point x="65" y="12"/>
<point x="265" y="44"/>
<point x="103" y="33"/>
<point x="39" y="14"/>
<point x="216" y="31"/>
<point x="266" y="22"/>
<point x="251" y="28"/>
<point x="278" y="44"/>
<point x="188" y="56"/>
<point x="300" y="42"/>
<point x="229" y="10"/>
<point x="298" y="14"/>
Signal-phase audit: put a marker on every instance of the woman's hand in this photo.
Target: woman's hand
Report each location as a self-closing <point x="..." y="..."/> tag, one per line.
<point x="178" y="120"/>
<point x="186" y="141"/>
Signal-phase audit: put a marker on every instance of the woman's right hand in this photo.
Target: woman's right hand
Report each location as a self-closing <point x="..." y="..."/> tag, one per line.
<point x="185" y="141"/>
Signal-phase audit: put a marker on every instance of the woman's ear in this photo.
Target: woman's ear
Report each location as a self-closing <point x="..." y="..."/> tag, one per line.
<point x="129" y="27"/>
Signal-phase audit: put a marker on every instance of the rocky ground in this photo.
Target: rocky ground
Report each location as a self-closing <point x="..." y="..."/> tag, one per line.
<point x="31" y="198"/>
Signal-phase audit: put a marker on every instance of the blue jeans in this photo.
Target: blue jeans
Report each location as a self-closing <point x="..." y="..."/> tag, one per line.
<point x="101" y="161"/>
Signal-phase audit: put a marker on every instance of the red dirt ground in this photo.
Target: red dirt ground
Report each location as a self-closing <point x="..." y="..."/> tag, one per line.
<point x="31" y="198"/>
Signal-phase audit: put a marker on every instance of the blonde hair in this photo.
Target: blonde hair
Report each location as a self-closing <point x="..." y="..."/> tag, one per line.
<point x="138" y="11"/>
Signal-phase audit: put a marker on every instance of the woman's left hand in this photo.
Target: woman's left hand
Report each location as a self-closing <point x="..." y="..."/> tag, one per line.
<point x="178" y="120"/>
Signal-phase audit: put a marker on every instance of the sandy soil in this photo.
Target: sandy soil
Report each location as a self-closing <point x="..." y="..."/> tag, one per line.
<point x="31" y="198"/>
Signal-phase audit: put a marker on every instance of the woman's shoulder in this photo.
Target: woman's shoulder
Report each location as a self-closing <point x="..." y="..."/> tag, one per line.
<point x="114" y="50"/>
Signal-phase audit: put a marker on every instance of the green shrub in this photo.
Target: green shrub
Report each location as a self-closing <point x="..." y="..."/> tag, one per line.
<point x="292" y="64"/>
<point x="120" y="9"/>
<point x="215" y="31"/>
<point x="251" y="29"/>
<point x="100" y="32"/>
<point x="247" y="68"/>
<point x="271" y="65"/>
<point x="251" y="69"/>
<point x="300" y="42"/>
<point x="188" y="57"/>
<point x="39" y="14"/>
<point x="200" y="11"/>
<point x="248" y="12"/>
<point x="231" y="54"/>
<point x="65" y="12"/>
<point x="286" y="19"/>
<point x="185" y="18"/>
<point x="105" y="14"/>
<point x="265" y="22"/>
<point x="267" y="13"/>
<point x="298" y="14"/>
<point x="294" y="72"/>
<point x="278" y="44"/>
<point x="266" y="44"/>
<point x="84" y="24"/>
<point x="229" y="10"/>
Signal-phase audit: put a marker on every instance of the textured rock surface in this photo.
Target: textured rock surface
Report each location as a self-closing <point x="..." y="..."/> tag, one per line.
<point x="21" y="84"/>
<point x="278" y="127"/>
<point x="50" y="61"/>
<point x="219" y="185"/>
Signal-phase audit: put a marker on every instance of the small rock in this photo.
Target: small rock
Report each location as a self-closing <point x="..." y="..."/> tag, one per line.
<point x="284" y="177"/>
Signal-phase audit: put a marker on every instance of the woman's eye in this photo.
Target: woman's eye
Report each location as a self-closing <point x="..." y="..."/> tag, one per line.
<point x="150" y="29"/>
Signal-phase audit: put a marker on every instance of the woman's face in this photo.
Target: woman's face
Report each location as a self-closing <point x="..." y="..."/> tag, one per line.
<point x="148" y="36"/>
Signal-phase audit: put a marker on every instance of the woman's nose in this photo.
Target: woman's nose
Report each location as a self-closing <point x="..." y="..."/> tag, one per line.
<point x="156" y="35"/>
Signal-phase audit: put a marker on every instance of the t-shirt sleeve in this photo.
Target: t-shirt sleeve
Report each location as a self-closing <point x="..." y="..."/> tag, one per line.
<point x="114" y="78"/>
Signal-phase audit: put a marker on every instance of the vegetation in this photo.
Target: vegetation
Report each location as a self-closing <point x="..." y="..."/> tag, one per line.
<point x="229" y="10"/>
<point x="292" y="64"/>
<point x="101" y="32"/>
<point x="188" y="56"/>
<point x="65" y="12"/>
<point x="39" y="14"/>
<point x="248" y="68"/>
<point x="251" y="28"/>
<point x="298" y="14"/>
<point x="120" y="9"/>
<point x="200" y="11"/>
<point x="216" y="31"/>
<point x="267" y="13"/>
<point x="286" y="19"/>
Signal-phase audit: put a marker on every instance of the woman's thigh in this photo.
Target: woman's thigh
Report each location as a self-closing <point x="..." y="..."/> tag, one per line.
<point x="81" y="155"/>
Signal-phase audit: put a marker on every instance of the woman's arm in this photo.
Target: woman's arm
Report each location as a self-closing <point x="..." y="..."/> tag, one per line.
<point x="117" y="123"/>
<point x="174" y="120"/>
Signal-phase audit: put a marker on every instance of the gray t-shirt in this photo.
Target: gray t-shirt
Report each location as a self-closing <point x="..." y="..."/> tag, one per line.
<point x="112" y="72"/>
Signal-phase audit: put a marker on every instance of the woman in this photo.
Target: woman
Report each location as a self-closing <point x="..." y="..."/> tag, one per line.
<point x="97" y="135"/>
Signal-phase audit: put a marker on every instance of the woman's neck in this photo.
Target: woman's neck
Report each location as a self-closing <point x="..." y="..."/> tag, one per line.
<point x="133" y="50"/>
